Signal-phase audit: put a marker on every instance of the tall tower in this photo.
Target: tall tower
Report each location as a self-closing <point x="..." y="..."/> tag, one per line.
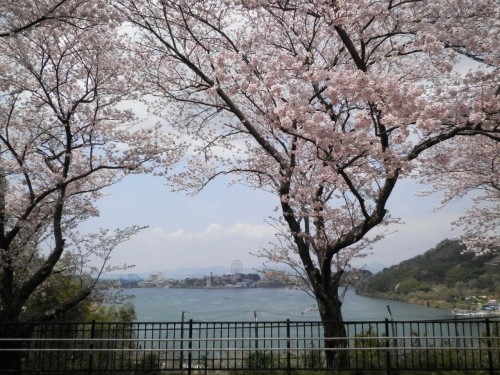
<point x="210" y="280"/>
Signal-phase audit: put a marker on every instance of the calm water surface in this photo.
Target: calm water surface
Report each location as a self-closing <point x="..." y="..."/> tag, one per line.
<point x="239" y="304"/>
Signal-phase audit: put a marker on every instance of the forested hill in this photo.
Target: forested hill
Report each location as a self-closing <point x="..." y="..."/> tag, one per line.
<point x="439" y="277"/>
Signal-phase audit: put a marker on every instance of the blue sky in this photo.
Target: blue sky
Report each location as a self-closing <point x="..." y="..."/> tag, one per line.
<point x="223" y="223"/>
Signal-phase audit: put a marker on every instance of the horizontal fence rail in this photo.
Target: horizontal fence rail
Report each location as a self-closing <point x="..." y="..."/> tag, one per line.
<point x="286" y="346"/>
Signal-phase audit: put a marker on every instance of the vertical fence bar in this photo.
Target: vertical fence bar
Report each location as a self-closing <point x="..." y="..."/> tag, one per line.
<point x="488" y="343"/>
<point x="232" y="344"/>
<point x="205" y="356"/>
<point x="181" y="359"/>
<point x="228" y="343"/>
<point x="388" y="346"/>
<point x="190" y="346"/>
<point x="256" y="335"/>
<point x="43" y="332"/>
<point x="288" y="347"/>
<point x="91" y="347"/>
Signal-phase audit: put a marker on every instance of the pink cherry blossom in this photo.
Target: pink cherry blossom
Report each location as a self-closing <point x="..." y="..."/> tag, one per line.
<point x="65" y="134"/>
<point x="334" y="101"/>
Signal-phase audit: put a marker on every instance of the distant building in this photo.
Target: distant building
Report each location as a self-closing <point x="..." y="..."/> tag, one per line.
<point x="210" y="280"/>
<point x="155" y="280"/>
<point x="158" y="277"/>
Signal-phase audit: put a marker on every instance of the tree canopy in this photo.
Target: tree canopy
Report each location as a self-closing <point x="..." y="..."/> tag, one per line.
<point x="470" y="167"/>
<point x="325" y="104"/>
<point x="64" y="136"/>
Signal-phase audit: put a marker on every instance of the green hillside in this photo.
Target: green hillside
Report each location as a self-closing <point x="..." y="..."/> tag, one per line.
<point x="441" y="276"/>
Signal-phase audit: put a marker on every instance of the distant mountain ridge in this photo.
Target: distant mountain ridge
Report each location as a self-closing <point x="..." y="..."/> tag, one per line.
<point x="440" y="277"/>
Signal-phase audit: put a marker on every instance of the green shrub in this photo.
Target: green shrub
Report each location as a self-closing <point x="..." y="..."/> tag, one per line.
<point x="260" y="360"/>
<point x="149" y="363"/>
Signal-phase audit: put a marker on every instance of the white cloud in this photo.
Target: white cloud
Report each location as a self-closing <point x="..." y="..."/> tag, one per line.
<point x="179" y="234"/>
<point x="213" y="230"/>
<point x="211" y="245"/>
<point x="255" y="231"/>
<point x="216" y="232"/>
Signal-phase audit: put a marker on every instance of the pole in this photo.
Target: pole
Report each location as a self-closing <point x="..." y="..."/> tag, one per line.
<point x="388" y="346"/>
<point x="490" y="353"/>
<point x="91" y="347"/>
<point x="181" y="359"/>
<point x="256" y="334"/>
<point x="190" y="346"/>
<point x="288" y="346"/>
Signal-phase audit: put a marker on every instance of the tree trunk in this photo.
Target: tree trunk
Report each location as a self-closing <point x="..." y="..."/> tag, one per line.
<point x="11" y="361"/>
<point x="334" y="330"/>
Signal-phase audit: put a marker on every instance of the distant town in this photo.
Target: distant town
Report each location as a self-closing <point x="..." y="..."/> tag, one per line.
<point x="157" y="280"/>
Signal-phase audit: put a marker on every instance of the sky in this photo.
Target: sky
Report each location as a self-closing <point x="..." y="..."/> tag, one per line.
<point x="222" y="224"/>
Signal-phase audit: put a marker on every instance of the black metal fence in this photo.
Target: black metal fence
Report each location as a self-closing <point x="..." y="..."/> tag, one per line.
<point x="286" y="346"/>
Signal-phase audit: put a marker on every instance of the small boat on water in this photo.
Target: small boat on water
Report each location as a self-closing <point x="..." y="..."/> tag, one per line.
<point x="489" y="309"/>
<point x="469" y="313"/>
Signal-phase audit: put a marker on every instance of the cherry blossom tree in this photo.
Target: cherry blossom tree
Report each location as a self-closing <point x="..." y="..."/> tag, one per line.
<point x="471" y="166"/>
<point x="19" y="16"/>
<point x="325" y="104"/>
<point x="65" y="134"/>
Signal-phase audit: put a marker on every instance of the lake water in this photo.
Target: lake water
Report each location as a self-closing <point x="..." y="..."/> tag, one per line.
<point x="240" y="304"/>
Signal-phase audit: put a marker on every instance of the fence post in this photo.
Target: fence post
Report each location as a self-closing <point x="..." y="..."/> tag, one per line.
<point x="190" y="346"/>
<point x="181" y="359"/>
<point x="256" y="334"/>
<point x="91" y="347"/>
<point x="388" y="346"/>
<point x="488" y="341"/>
<point x="288" y="346"/>
<point x="256" y="331"/>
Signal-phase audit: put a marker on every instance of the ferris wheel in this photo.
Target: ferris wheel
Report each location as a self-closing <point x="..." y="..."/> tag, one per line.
<point x="236" y="267"/>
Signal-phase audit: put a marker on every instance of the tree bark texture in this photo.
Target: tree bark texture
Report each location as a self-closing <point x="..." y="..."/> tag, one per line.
<point x="11" y="361"/>
<point x="335" y="333"/>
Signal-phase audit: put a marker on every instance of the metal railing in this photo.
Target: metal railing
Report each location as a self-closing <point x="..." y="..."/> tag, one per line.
<point x="286" y="346"/>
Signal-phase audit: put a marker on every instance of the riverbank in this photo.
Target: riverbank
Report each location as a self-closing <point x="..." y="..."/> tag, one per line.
<point x="472" y="306"/>
<point x="443" y="277"/>
<point x="416" y="300"/>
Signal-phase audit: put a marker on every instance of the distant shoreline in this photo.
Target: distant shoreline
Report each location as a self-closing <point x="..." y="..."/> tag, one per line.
<point x="437" y="304"/>
<point x="214" y="287"/>
<point x="237" y="280"/>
